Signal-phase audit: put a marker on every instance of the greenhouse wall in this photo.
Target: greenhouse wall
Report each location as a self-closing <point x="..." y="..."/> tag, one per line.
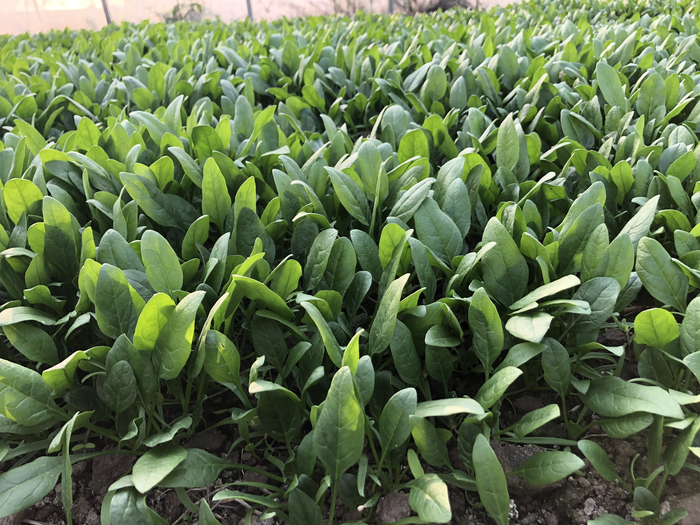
<point x="20" y="16"/>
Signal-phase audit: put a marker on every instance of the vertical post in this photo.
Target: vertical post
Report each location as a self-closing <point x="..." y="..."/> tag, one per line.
<point x="250" y="10"/>
<point x="106" y="11"/>
<point x="391" y="7"/>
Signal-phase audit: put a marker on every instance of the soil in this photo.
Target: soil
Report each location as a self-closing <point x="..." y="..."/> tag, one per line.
<point x="571" y="501"/>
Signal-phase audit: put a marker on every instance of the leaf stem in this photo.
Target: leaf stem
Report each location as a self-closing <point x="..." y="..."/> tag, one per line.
<point x="334" y="496"/>
<point x="103" y="432"/>
<point x="662" y="483"/>
<point x="374" y="216"/>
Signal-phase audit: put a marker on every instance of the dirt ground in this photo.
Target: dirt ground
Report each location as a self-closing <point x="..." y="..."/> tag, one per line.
<point x="572" y="501"/>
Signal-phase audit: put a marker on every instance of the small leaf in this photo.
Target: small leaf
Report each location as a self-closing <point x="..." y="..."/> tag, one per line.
<point x="155" y="464"/>
<point x="429" y="498"/>
<point x="655" y="327"/>
<point x="547" y="467"/>
<point x="491" y="481"/>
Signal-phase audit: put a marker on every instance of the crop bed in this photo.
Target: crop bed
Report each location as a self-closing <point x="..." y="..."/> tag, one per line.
<point x="357" y="269"/>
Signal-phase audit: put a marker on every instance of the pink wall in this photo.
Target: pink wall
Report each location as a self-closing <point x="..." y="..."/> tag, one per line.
<point x="19" y="16"/>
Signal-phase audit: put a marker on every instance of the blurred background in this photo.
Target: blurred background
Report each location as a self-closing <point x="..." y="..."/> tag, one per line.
<point x="20" y="16"/>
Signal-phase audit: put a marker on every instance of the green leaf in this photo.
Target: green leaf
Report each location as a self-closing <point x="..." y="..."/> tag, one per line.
<point x="394" y="426"/>
<point x="573" y="243"/>
<point x="339" y="432"/>
<point x="268" y="340"/>
<point x="318" y="257"/>
<point x="504" y="268"/>
<point x="197" y="233"/>
<point x="553" y="288"/>
<point x="198" y="469"/>
<point x="24" y="398"/>
<point x="429" y="499"/>
<point x="440" y="336"/>
<point x="351" y="355"/>
<point x="279" y="411"/>
<point x="677" y="451"/>
<point x="367" y="253"/>
<point x="350" y="195"/>
<point x="491" y="481"/>
<point x="599" y="459"/>
<point x="655" y="327"/>
<point x="34" y="343"/>
<point x="161" y="262"/>
<point x="617" y="260"/>
<point x="174" y="343"/>
<point x="413" y="144"/>
<point x="206" y="142"/>
<point x="155" y="464"/>
<point x="382" y="328"/>
<point x="35" y="140"/>
<point x="303" y="510"/>
<point x="638" y="226"/>
<point x="448" y="407"/>
<point x="114" y="306"/>
<point x="457" y="205"/>
<point x="535" y="419"/>
<point x="612" y="397"/>
<point x="21" y="196"/>
<point x="430" y="445"/>
<point x="222" y="361"/>
<point x="492" y="390"/>
<point x="20" y="314"/>
<point x="216" y="200"/>
<point x="486" y="327"/>
<point x="660" y="276"/>
<point x="689" y="330"/>
<point x="171" y="211"/>
<point x="206" y="516"/>
<point x="610" y="85"/>
<point x="257" y="291"/>
<point x="340" y="269"/>
<point x="332" y="347"/>
<point x="23" y="486"/>
<point x="624" y="426"/>
<point x="188" y="164"/>
<point x="59" y="237"/>
<point x="151" y="321"/>
<point x="410" y="200"/>
<point x="530" y="327"/>
<point x="601" y="294"/>
<point x="544" y="468"/>
<point x="168" y="435"/>
<point x="406" y="360"/>
<point x="368" y="166"/>
<point x="437" y="230"/>
<point x="119" y="388"/>
<point x="557" y="367"/>
<point x="392" y="255"/>
<point x="507" y="144"/>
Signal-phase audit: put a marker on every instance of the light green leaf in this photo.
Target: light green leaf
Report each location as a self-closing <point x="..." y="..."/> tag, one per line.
<point x="339" y="431"/>
<point x="161" y="262"/>
<point x="492" y="390"/>
<point x="382" y="328"/>
<point x="547" y="467"/>
<point x="155" y="464"/>
<point x="429" y="498"/>
<point x="490" y="481"/>
<point x="174" y="343"/>
<point x="612" y="397"/>
<point x="655" y="327"/>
